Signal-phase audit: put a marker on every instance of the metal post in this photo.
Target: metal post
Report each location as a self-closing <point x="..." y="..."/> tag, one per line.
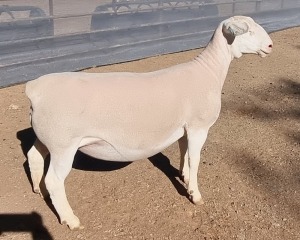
<point x="233" y="6"/>
<point x="258" y="5"/>
<point x="51" y="7"/>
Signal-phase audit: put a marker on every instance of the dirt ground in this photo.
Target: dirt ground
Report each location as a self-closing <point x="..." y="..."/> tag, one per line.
<point x="249" y="175"/>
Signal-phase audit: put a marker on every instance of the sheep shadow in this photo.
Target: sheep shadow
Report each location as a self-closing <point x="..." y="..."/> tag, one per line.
<point x="160" y="161"/>
<point x="86" y="163"/>
<point x="163" y="163"/>
<point x="32" y="223"/>
<point x="27" y="138"/>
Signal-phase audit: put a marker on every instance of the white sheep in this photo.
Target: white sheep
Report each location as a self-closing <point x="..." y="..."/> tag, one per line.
<point x="131" y="116"/>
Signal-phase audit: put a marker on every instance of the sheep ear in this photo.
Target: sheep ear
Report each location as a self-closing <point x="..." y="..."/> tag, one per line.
<point x="234" y="28"/>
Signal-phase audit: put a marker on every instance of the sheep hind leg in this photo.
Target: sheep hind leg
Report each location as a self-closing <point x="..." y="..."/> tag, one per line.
<point x="184" y="169"/>
<point x="196" y="140"/>
<point x="36" y="157"/>
<point x="59" y="168"/>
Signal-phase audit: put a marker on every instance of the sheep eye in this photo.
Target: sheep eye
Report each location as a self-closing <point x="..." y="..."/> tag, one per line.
<point x="251" y="33"/>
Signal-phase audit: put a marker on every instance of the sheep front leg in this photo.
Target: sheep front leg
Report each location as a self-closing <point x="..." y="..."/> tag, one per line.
<point x="184" y="169"/>
<point x="59" y="168"/>
<point x="196" y="140"/>
<point x="36" y="157"/>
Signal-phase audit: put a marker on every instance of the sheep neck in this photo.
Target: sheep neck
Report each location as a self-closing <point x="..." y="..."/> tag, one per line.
<point x="216" y="57"/>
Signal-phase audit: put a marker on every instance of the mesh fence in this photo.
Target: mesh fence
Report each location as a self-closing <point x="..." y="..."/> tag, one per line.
<point x="43" y="36"/>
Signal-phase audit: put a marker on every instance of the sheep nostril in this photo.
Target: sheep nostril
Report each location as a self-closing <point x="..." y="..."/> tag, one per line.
<point x="270" y="46"/>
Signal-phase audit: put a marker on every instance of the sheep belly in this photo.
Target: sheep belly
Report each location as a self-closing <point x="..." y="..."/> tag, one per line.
<point x="101" y="149"/>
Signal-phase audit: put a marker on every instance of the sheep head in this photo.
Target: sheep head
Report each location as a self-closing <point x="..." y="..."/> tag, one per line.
<point x="244" y="35"/>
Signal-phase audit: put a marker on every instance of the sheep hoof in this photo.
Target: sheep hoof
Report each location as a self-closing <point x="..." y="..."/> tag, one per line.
<point x="42" y="194"/>
<point x="197" y="200"/>
<point x="80" y="227"/>
<point x="38" y="191"/>
<point x="74" y="224"/>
